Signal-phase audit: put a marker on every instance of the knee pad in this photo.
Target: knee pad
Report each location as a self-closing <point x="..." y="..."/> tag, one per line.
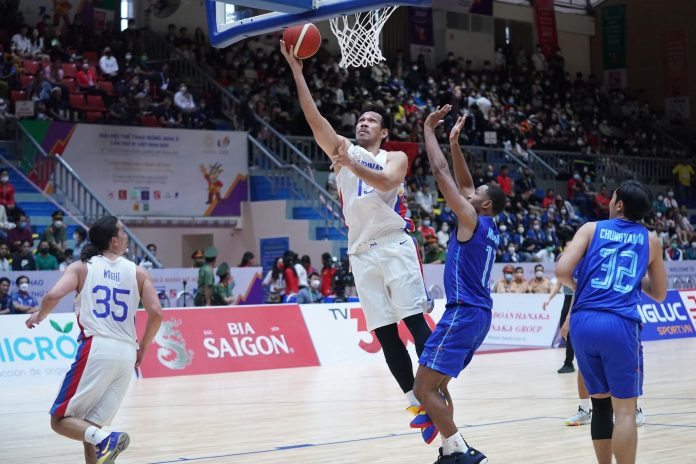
<point x="602" y="426"/>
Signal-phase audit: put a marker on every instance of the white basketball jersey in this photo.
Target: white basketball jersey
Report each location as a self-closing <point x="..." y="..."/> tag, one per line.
<point x="369" y="213"/>
<point x="108" y="301"/>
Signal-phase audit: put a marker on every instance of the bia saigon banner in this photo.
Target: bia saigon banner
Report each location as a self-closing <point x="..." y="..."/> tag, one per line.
<point x="145" y="171"/>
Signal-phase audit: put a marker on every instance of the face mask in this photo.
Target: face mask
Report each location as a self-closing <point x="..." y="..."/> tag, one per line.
<point x="76" y="238"/>
<point x="508" y="277"/>
<point x="658" y="215"/>
<point x="693" y="245"/>
<point x="670" y="194"/>
<point x="539" y="274"/>
<point x="675" y="246"/>
<point x="4" y="179"/>
<point x="587" y="180"/>
<point x="58" y="223"/>
<point x="576" y="176"/>
<point x="520" y="230"/>
<point x="563" y="211"/>
<point x="43" y="251"/>
<point x="552" y="210"/>
<point x="22" y="225"/>
<point x="315" y="283"/>
<point x="426" y="223"/>
<point x="511" y="250"/>
<point x="447" y="209"/>
<point x="24" y="287"/>
<point x="183" y="89"/>
<point x="503" y="228"/>
<point x="490" y="173"/>
<point x="128" y="56"/>
<point x="445" y="228"/>
<point x="535" y="227"/>
<point x="660" y="198"/>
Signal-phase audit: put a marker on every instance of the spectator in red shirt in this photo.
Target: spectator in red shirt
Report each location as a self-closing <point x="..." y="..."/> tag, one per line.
<point x="550" y="198"/>
<point x="86" y="78"/>
<point x="570" y="185"/>
<point x="306" y="262"/>
<point x="426" y="229"/>
<point x="7" y="192"/>
<point x="602" y="200"/>
<point x="505" y="181"/>
<point x="327" y="274"/>
<point x="292" y="281"/>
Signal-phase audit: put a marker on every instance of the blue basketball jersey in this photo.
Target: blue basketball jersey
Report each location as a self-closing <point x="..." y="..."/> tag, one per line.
<point x="468" y="266"/>
<point x="608" y="278"/>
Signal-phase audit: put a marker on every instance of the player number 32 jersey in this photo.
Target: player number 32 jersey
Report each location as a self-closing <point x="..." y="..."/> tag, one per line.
<point x="108" y="301"/>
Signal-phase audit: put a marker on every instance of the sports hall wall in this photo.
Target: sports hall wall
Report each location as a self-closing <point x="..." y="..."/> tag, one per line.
<point x="654" y="32"/>
<point x="574" y="31"/>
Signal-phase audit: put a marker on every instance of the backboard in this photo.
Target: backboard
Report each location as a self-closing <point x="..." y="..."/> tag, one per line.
<point x="230" y="21"/>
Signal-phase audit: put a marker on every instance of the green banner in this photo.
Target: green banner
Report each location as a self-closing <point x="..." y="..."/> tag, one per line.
<point x="614" y="36"/>
<point x="28" y="152"/>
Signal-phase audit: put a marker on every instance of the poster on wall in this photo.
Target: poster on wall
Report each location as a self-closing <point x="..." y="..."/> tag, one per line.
<point x="547" y="34"/>
<point x="145" y="171"/>
<point x="614" y="46"/>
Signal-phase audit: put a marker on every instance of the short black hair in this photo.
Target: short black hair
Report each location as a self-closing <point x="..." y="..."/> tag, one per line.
<point x="20" y="278"/>
<point x="5" y="279"/>
<point x="497" y="196"/>
<point x="519" y="268"/>
<point x="313" y="274"/>
<point x="636" y="199"/>
<point x="538" y="266"/>
<point x="386" y="120"/>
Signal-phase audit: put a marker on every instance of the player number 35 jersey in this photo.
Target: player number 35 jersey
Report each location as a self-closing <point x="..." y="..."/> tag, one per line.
<point x="369" y="213"/>
<point x="108" y="301"/>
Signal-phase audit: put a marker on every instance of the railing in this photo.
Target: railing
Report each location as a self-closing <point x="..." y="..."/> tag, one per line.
<point x="52" y="172"/>
<point x="290" y="176"/>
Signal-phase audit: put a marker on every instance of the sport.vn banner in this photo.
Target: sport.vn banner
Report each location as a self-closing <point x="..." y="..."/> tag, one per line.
<point x="145" y="171"/>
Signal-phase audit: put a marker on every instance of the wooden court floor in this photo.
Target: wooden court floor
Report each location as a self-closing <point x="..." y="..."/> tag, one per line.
<point x="509" y="405"/>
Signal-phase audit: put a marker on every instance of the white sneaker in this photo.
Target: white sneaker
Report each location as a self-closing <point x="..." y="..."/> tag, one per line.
<point x="640" y="418"/>
<point x="581" y="417"/>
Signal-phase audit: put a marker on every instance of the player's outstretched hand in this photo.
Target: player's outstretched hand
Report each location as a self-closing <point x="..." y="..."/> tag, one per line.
<point x="34" y="320"/>
<point x="434" y="119"/>
<point x="457" y="129"/>
<point x="295" y="63"/>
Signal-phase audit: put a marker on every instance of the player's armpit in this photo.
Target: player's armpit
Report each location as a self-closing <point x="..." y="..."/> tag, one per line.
<point x="573" y="253"/>
<point x="655" y="286"/>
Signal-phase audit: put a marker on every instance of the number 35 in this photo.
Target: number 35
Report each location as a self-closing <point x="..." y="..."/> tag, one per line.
<point x="111" y="296"/>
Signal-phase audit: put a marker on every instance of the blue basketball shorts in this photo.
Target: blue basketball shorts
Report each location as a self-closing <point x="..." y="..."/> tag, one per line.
<point x="609" y="353"/>
<point x="456" y="338"/>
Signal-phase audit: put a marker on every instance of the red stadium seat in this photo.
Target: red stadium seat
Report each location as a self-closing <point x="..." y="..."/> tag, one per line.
<point x="30" y="66"/>
<point x="94" y="116"/>
<point x="91" y="57"/>
<point x="106" y="86"/>
<point x="18" y="95"/>
<point x="69" y="70"/>
<point x="77" y="102"/>
<point x="150" y="120"/>
<point x="71" y="85"/>
<point x="25" y="79"/>
<point x="95" y="103"/>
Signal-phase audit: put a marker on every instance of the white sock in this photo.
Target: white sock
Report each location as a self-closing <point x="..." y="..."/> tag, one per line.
<point x="454" y="444"/>
<point x="585" y="404"/>
<point x="95" y="435"/>
<point x="412" y="398"/>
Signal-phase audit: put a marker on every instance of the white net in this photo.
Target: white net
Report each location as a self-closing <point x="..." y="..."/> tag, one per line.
<point x="358" y="36"/>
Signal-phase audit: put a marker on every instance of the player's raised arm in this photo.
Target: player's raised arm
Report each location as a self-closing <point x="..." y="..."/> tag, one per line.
<point x="654" y="284"/>
<point x="573" y="253"/>
<point x="464" y="210"/>
<point x="67" y="283"/>
<point x="151" y="303"/>
<point x="462" y="175"/>
<point x="325" y="135"/>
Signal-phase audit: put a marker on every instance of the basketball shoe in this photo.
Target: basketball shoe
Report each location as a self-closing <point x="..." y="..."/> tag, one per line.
<point x="111" y="447"/>
<point x="640" y="418"/>
<point x="471" y="456"/>
<point x="581" y="417"/>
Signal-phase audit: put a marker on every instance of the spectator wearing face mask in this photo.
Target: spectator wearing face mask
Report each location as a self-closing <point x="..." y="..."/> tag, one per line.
<point x="144" y="261"/>
<point x="539" y="284"/>
<point x="312" y="293"/>
<point x="447" y="215"/>
<point x="506" y="216"/>
<point x="22" y="301"/>
<point x="519" y="283"/>
<point x="69" y="258"/>
<point x="424" y="199"/>
<point x="546" y="254"/>
<point x="183" y="100"/>
<point x="23" y="260"/>
<point x="537" y="235"/>
<point x="674" y="253"/>
<point x="86" y="78"/>
<point x="504" y="285"/>
<point x="44" y="260"/>
<point x="659" y="205"/>
<point x="550" y="216"/>
<point x="5" y="299"/>
<point x="7" y="192"/>
<point x="443" y="235"/>
<point x="602" y="200"/>
<point x="79" y="241"/>
<point x="511" y="255"/>
<point x="670" y="201"/>
<point x="690" y="252"/>
<point x="426" y="230"/>
<point x="4" y="255"/>
<point x="108" y="64"/>
<point x="505" y="235"/>
<point x="21" y="233"/>
<point x="56" y="235"/>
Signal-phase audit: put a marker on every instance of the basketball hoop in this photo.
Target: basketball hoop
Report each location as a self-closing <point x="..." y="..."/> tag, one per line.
<point x="358" y="36"/>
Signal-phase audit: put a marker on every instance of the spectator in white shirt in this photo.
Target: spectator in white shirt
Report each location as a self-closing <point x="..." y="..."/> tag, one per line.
<point x="424" y="199"/>
<point x="36" y="48"/>
<point x="539" y="60"/>
<point x="22" y="42"/>
<point x="108" y="64"/>
<point x="184" y="100"/>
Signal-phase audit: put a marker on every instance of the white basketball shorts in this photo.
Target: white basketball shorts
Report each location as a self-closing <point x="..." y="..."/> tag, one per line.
<point x="97" y="381"/>
<point x="389" y="279"/>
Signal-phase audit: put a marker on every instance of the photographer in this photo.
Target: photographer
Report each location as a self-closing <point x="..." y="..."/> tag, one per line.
<point x="344" y="283"/>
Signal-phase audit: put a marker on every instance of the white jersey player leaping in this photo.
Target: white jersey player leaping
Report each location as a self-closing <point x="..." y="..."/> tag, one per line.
<point x="383" y="256"/>
<point x="108" y="290"/>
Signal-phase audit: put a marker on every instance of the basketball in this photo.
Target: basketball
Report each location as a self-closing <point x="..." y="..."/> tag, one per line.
<point x="306" y="39"/>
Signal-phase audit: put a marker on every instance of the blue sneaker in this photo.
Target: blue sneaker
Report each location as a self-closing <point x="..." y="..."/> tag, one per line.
<point x="111" y="447"/>
<point x="471" y="456"/>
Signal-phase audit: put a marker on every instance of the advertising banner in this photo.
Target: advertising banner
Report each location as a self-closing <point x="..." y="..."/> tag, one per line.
<point x="675" y="51"/>
<point x="40" y="355"/>
<point x="213" y="340"/>
<point x="145" y="171"/>
<point x="673" y="318"/>
<point x="176" y="287"/>
<point x="547" y="33"/>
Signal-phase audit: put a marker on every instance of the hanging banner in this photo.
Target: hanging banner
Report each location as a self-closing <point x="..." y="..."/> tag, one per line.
<point x="145" y="171"/>
<point x="547" y="34"/>
<point x="614" y="36"/>
<point x="420" y="21"/>
<point x="676" y="66"/>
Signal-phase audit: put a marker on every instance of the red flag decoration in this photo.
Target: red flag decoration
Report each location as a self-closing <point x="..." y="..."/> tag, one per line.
<point x="546" y="26"/>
